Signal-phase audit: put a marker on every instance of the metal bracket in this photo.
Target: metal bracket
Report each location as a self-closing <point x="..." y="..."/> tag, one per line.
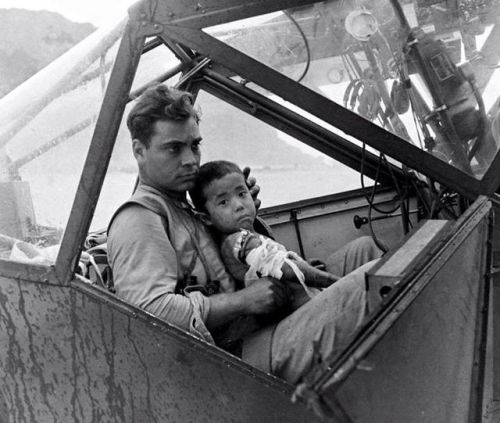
<point x="148" y="29"/>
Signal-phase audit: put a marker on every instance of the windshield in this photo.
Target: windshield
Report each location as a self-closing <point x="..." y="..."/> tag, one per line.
<point x="423" y="70"/>
<point x="44" y="143"/>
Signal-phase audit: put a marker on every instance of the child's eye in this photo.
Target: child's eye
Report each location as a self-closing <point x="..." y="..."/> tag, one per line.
<point x="223" y="203"/>
<point x="243" y="194"/>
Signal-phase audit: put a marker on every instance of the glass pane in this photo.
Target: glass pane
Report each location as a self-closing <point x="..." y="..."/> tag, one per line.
<point x="122" y="171"/>
<point x="277" y="160"/>
<point x="153" y="65"/>
<point x="426" y="70"/>
<point x="47" y="124"/>
<point x="120" y="178"/>
<point x="286" y="169"/>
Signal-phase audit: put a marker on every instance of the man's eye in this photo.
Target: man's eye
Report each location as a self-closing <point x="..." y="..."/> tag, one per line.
<point x="174" y="149"/>
<point x="196" y="146"/>
<point x="243" y="194"/>
<point x="222" y="202"/>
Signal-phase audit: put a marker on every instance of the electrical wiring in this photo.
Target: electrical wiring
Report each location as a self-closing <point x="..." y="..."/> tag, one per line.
<point x="402" y="195"/>
<point x="306" y="44"/>
<point x="372" y="196"/>
<point x="370" y="200"/>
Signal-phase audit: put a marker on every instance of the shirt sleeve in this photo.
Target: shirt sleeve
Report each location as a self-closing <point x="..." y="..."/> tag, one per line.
<point x="144" y="267"/>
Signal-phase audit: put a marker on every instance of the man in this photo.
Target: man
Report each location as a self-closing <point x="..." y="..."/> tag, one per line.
<point x="165" y="261"/>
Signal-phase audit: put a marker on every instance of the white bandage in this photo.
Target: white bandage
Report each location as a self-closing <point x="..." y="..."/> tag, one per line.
<point x="268" y="259"/>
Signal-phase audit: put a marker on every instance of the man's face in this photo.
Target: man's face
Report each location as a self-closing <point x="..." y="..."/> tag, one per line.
<point x="172" y="160"/>
<point x="229" y="204"/>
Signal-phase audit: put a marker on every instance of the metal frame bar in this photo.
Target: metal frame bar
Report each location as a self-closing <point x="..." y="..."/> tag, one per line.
<point x="101" y="147"/>
<point x="187" y="18"/>
<point x="330" y="112"/>
<point x="196" y="14"/>
<point x="293" y="124"/>
<point x="161" y="78"/>
<point x="28" y="272"/>
<point x="491" y="179"/>
<point x="68" y="81"/>
<point x="483" y="302"/>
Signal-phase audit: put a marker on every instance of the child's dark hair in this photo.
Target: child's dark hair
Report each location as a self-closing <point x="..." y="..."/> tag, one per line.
<point x="208" y="173"/>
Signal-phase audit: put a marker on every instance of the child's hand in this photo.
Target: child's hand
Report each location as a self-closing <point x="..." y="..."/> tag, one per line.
<point x="252" y="186"/>
<point x="317" y="263"/>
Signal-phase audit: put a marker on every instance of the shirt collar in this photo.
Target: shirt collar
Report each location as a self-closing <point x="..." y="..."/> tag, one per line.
<point x="173" y="198"/>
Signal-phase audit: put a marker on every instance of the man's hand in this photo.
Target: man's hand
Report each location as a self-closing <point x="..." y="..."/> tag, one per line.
<point x="265" y="295"/>
<point x="252" y="186"/>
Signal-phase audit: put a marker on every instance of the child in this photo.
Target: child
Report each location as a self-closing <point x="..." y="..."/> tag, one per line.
<point x="224" y="201"/>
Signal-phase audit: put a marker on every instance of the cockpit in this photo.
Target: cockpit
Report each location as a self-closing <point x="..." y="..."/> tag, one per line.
<point x="368" y="118"/>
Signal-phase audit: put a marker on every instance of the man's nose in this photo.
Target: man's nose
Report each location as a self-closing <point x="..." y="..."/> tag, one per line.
<point x="189" y="157"/>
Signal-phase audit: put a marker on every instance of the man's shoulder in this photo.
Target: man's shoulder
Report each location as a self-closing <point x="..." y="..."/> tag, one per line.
<point x="148" y="198"/>
<point x="143" y="204"/>
<point x="132" y="218"/>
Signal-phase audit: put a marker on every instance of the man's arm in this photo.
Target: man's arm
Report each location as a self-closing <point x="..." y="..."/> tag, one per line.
<point x="145" y="273"/>
<point x="144" y="267"/>
<point x="263" y="296"/>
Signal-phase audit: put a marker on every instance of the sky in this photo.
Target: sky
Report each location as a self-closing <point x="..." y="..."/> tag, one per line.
<point x="97" y="12"/>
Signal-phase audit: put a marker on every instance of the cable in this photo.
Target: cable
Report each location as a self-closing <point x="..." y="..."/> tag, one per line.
<point x="306" y="44"/>
<point x="370" y="200"/>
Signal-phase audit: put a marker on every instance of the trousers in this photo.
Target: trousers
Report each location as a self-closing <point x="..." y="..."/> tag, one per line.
<point x="322" y="326"/>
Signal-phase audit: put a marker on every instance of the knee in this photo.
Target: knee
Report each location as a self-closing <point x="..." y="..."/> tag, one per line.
<point x="366" y="246"/>
<point x="365" y="241"/>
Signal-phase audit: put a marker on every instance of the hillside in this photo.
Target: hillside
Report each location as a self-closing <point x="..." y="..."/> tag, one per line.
<point x="284" y="171"/>
<point x="232" y="135"/>
<point x="29" y="40"/>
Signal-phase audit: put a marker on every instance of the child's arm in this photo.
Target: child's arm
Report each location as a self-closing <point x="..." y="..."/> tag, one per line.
<point x="272" y="259"/>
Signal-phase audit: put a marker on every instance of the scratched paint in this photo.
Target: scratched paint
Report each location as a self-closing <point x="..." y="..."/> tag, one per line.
<point x="67" y="356"/>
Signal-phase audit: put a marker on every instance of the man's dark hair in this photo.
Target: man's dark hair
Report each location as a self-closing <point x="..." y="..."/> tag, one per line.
<point x="159" y="102"/>
<point x="209" y="172"/>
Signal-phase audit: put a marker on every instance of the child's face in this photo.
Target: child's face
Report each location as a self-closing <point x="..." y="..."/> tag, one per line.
<point x="229" y="204"/>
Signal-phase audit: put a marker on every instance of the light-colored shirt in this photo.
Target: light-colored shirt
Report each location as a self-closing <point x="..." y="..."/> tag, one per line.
<point x="146" y="266"/>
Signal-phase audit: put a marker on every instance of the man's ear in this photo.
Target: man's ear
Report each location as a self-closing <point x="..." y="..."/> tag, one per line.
<point x="138" y="148"/>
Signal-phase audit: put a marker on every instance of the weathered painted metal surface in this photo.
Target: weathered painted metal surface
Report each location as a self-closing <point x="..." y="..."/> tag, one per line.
<point x="318" y="230"/>
<point x="67" y="356"/>
<point x="425" y="368"/>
